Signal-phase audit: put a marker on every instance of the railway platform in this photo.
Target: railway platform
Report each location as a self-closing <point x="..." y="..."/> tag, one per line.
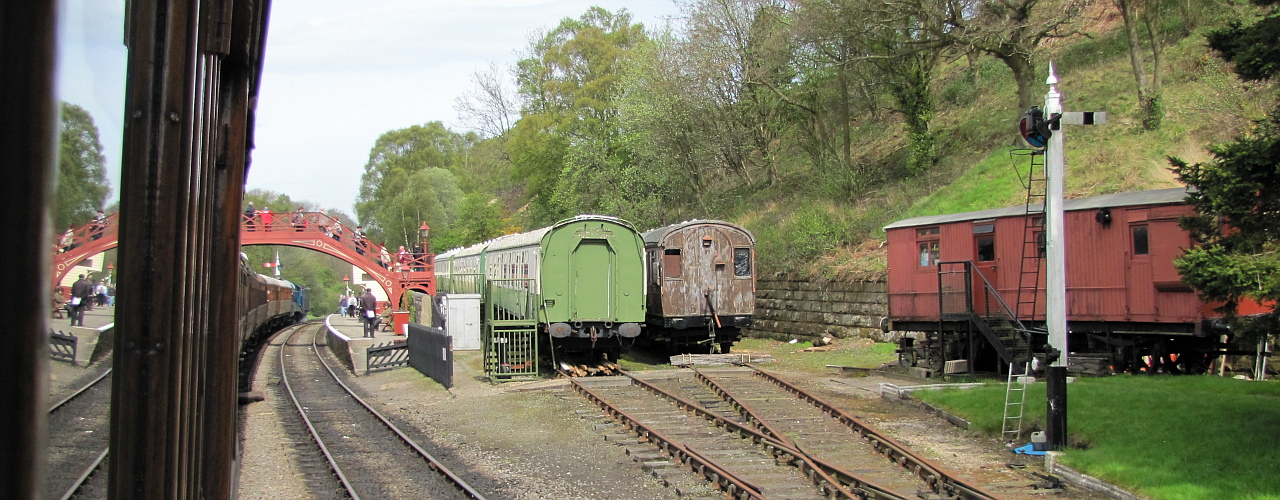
<point x="98" y="323"/>
<point x="347" y="341"/>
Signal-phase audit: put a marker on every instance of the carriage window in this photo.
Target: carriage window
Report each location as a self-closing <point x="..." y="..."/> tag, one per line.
<point x="1140" y="246"/>
<point x="742" y="262"/>
<point x="1042" y="244"/>
<point x="671" y="263"/>
<point x="929" y="253"/>
<point x="986" y="248"/>
<point x="927" y="231"/>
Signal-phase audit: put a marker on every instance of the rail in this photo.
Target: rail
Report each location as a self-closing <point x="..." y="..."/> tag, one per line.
<point x="825" y="472"/>
<point x="96" y="464"/>
<point x="725" y="480"/>
<point x="930" y="473"/>
<point x="315" y="436"/>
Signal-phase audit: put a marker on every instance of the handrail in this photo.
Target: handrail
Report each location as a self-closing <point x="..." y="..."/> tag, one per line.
<point x="1022" y="328"/>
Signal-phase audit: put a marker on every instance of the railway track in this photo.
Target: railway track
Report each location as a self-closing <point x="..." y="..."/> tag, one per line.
<point x="368" y="455"/>
<point x="755" y="438"/>
<point x="78" y="440"/>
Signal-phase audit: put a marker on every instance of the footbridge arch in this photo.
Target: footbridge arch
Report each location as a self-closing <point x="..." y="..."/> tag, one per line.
<point x="396" y="273"/>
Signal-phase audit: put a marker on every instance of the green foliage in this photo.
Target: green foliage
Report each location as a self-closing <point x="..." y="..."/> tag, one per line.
<point x="82" y="173"/>
<point x="1163" y="437"/>
<point x="479" y="218"/>
<point x="566" y="143"/>
<point x="1236" y="205"/>
<point x="409" y="180"/>
<point x="1235" y="195"/>
<point x="1253" y="50"/>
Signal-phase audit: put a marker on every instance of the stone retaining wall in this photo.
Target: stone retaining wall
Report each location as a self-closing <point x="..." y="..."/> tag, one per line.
<point x="788" y="308"/>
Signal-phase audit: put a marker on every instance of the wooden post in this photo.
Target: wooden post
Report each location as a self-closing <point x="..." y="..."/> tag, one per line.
<point x="28" y="146"/>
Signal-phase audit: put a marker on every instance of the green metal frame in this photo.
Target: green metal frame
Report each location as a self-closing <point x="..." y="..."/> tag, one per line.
<point x="510" y="334"/>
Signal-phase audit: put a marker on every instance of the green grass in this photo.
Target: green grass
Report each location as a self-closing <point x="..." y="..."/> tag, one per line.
<point x="1163" y="437"/>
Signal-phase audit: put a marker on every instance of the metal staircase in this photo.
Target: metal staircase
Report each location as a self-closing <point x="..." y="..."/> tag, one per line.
<point x="966" y="295"/>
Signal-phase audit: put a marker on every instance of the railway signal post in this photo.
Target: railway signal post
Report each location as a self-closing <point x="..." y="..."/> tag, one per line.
<point x="1055" y="266"/>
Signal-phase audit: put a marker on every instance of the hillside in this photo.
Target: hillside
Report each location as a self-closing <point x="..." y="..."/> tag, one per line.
<point x="976" y="131"/>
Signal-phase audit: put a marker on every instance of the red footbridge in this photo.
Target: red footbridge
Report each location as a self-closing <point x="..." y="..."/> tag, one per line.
<point x="311" y="230"/>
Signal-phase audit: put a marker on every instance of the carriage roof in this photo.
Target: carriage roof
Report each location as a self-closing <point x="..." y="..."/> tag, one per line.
<point x="1171" y="196"/>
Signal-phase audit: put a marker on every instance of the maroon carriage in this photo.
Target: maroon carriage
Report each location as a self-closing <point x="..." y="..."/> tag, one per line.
<point x="972" y="286"/>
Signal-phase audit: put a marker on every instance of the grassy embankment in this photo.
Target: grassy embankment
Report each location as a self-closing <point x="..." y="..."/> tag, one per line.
<point x="1162" y="437"/>
<point x="822" y="226"/>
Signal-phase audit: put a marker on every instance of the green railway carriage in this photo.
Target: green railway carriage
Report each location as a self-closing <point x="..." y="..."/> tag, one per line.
<point x="582" y="280"/>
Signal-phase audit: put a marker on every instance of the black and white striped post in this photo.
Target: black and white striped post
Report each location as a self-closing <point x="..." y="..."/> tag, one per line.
<point x="1055" y="266"/>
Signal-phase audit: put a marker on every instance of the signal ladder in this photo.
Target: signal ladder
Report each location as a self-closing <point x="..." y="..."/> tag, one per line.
<point x="1033" y="236"/>
<point x="1033" y="239"/>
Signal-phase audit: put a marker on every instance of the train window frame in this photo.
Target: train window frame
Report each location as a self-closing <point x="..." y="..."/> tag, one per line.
<point x="987" y="242"/>
<point x="930" y="252"/>
<point x="745" y="252"/>
<point x="672" y="264"/>
<point x="1140" y="245"/>
<point x="929" y="244"/>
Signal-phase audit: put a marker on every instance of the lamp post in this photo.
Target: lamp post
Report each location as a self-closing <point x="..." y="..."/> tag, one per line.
<point x="424" y="231"/>
<point x="346" y="283"/>
<point x="111" y="273"/>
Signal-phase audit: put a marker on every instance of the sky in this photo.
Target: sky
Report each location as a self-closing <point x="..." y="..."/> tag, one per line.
<point x="337" y="75"/>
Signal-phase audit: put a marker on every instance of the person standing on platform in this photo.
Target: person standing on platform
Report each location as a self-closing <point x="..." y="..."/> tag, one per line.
<point x="81" y="290"/>
<point x="100" y="294"/>
<point x="342" y="305"/>
<point x="369" y="311"/>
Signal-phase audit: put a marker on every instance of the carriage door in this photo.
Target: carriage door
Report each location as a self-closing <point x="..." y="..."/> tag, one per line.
<point x="593" y="277"/>
<point x="984" y="264"/>
<point x="1140" y="292"/>
<point x="718" y="249"/>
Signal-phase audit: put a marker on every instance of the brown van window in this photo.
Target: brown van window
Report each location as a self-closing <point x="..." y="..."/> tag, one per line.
<point x="929" y="252"/>
<point x="742" y="262"/>
<point x="1140" y="246"/>
<point x="671" y="263"/>
<point x="986" y="248"/>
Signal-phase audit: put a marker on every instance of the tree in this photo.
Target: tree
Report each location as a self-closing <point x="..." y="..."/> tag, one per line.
<point x="566" y="143"/>
<point x="1150" y="107"/>
<point x="1009" y="30"/>
<point x="82" y="174"/>
<point x="885" y="49"/>
<point x="1237" y="205"/>
<point x="492" y="107"/>
<point x="408" y="180"/>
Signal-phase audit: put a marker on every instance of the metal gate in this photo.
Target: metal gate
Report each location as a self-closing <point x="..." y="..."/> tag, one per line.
<point x="388" y="355"/>
<point x="431" y="352"/>
<point x="510" y="334"/>
<point x="63" y="345"/>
